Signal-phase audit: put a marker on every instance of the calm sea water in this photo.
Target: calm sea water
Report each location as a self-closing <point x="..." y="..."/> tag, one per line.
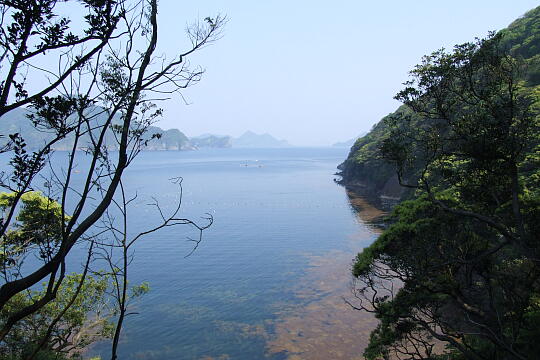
<point x="274" y="211"/>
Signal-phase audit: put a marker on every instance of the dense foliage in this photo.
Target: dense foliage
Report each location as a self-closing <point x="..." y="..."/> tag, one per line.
<point x="78" y="317"/>
<point x="39" y="219"/>
<point x="456" y="275"/>
<point x="366" y="165"/>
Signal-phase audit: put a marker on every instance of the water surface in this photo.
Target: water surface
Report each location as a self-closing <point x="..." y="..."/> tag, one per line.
<point x="269" y="278"/>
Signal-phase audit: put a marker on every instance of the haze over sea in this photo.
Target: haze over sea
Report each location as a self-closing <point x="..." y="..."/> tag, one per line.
<point x="271" y="271"/>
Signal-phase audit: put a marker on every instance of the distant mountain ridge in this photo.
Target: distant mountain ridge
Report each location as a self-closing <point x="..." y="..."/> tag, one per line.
<point x="252" y="140"/>
<point x="17" y="121"/>
<point x="211" y="141"/>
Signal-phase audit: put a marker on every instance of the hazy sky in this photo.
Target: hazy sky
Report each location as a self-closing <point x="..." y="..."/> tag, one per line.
<point x="314" y="72"/>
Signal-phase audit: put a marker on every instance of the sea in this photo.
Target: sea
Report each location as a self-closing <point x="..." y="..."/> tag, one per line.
<point x="269" y="279"/>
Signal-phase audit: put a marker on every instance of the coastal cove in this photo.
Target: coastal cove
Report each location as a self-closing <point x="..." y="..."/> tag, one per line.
<point x="181" y="181"/>
<point x="270" y="276"/>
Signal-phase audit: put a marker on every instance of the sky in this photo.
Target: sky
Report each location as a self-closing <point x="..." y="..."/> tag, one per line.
<point x="313" y="72"/>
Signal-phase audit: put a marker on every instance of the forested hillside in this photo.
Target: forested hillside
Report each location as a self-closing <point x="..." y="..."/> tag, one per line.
<point x="365" y="166"/>
<point x="456" y="274"/>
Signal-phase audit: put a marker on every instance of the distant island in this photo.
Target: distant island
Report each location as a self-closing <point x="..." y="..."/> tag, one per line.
<point x="211" y="141"/>
<point x="251" y="140"/>
<point x="17" y="121"/>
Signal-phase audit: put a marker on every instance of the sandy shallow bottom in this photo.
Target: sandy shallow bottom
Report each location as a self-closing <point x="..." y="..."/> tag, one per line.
<point x="327" y="328"/>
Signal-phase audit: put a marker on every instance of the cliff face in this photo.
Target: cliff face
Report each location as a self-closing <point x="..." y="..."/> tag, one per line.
<point x="365" y="170"/>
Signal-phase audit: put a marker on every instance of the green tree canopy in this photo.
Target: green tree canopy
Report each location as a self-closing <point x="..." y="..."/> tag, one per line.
<point x="459" y="264"/>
